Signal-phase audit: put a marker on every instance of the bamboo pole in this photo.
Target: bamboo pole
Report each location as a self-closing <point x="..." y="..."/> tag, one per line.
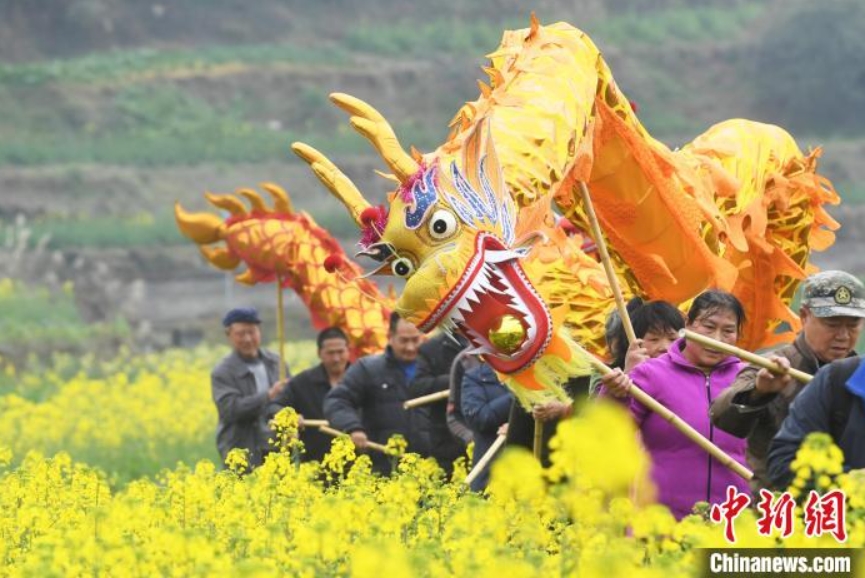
<point x="280" y="327"/>
<point x="336" y="433"/>
<point x="607" y="263"/>
<point x="745" y="355"/>
<point x="674" y="420"/>
<point x="425" y="399"/>
<point x="538" y="439"/>
<point x="315" y="423"/>
<point x="485" y="459"/>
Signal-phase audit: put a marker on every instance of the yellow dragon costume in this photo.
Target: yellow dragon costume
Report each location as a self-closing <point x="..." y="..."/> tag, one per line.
<point x="472" y="231"/>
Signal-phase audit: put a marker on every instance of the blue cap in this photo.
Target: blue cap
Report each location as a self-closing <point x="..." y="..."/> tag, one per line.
<point x="241" y="315"/>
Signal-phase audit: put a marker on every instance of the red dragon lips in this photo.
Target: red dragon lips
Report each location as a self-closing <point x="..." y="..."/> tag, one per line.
<point x="493" y="288"/>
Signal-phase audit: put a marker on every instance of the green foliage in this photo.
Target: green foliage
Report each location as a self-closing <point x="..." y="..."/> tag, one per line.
<point x="36" y="319"/>
<point x="147" y="62"/>
<point x="139" y="230"/>
<point x="676" y="25"/>
<point x="158" y="125"/>
<point x="225" y="142"/>
<point x="439" y="36"/>
<point x="145" y="230"/>
<point x="808" y="69"/>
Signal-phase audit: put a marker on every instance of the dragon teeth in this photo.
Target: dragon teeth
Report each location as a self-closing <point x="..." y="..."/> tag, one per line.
<point x="456" y="316"/>
<point x="520" y="306"/>
<point x="501" y="256"/>
<point x="473" y="297"/>
<point x="448" y="326"/>
<point x="478" y="338"/>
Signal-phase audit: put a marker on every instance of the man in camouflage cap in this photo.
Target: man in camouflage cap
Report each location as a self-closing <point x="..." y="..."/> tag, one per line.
<point x="834" y="294"/>
<point x="832" y="312"/>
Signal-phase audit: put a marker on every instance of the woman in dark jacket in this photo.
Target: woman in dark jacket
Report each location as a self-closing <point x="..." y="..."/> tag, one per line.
<point x="485" y="404"/>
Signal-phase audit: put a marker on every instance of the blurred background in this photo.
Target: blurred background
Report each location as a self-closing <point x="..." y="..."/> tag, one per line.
<point x="114" y="109"/>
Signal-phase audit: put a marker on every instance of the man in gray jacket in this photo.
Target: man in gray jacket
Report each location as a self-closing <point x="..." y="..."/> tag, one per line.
<point x="242" y="385"/>
<point x="755" y="405"/>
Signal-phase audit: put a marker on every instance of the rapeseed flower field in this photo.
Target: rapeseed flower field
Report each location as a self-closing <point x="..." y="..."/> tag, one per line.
<point x="107" y="468"/>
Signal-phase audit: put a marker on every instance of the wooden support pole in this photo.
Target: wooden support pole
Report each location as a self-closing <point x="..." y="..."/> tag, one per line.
<point x="336" y="433"/>
<point x="280" y="327"/>
<point x="744" y="355"/>
<point x="674" y="420"/>
<point x="425" y="399"/>
<point x="621" y="306"/>
<point x="485" y="459"/>
<point x="315" y="423"/>
<point x="538" y="440"/>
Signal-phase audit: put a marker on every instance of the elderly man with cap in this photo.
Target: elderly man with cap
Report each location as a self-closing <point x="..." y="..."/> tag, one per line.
<point x="758" y="401"/>
<point x="243" y="384"/>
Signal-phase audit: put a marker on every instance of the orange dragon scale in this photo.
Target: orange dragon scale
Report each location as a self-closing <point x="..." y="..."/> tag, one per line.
<point x="278" y="244"/>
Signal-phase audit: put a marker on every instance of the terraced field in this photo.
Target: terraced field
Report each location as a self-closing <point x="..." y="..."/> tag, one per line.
<point x="114" y="109"/>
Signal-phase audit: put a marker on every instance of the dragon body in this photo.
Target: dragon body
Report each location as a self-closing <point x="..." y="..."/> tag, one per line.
<point x="280" y="245"/>
<point x="471" y="227"/>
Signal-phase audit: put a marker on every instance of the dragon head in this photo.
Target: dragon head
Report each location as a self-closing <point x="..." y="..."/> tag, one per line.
<point x="471" y="259"/>
<point x="451" y="234"/>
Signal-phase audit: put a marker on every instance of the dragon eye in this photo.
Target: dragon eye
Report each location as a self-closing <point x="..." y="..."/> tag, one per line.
<point x="402" y="267"/>
<point x="442" y="224"/>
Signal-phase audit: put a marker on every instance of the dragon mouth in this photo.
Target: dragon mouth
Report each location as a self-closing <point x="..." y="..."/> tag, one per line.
<point x="492" y="288"/>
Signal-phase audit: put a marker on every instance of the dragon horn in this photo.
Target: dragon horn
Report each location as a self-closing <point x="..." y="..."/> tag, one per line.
<point x="246" y="278"/>
<point x="220" y="257"/>
<point x="254" y="199"/>
<point x="334" y="179"/>
<point x="281" y="200"/>
<point x="203" y="228"/>
<point x="371" y="124"/>
<point x="226" y="202"/>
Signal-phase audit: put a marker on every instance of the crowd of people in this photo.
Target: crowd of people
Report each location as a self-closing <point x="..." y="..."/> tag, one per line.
<point x="756" y="416"/>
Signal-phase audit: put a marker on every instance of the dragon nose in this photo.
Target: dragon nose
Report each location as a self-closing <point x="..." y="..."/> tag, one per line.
<point x="378" y="251"/>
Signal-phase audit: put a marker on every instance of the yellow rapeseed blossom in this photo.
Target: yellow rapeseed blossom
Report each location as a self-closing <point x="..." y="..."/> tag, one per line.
<point x="237" y="460"/>
<point x="396" y="445"/>
<point x="600" y="465"/>
<point x="61" y="515"/>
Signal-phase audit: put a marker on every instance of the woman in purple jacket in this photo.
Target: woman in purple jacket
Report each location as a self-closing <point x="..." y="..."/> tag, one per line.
<point x="687" y="379"/>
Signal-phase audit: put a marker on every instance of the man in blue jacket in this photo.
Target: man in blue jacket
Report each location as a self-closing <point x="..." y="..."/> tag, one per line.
<point x="486" y="406"/>
<point x="833" y="403"/>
